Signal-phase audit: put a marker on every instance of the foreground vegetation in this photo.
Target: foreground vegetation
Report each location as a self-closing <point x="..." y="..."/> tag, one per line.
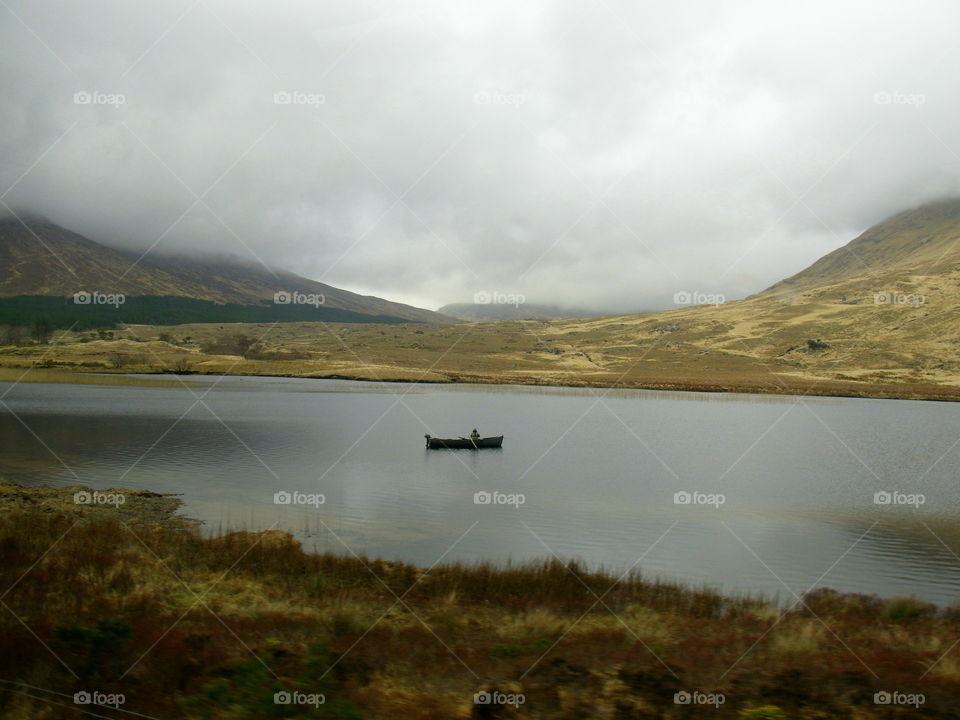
<point x="127" y="599"/>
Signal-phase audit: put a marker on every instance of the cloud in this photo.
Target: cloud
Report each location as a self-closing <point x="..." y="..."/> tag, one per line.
<point x="597" y="155"/>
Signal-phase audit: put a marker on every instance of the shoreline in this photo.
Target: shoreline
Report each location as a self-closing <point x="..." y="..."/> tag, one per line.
<point x="822" y="388"/>
<point x="103" y="593"/>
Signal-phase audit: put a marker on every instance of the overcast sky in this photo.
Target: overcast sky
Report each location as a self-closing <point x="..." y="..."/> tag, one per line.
<point x="595" y="154"/>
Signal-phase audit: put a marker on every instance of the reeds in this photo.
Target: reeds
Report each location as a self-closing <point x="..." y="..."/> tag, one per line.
<point x="189" y="626"/>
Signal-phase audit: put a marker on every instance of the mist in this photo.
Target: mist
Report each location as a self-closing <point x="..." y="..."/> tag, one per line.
<point x="601" y="156"/>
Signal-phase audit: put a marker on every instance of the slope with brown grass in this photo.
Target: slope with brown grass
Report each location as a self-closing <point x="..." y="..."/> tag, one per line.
<point x="38" y="257"/>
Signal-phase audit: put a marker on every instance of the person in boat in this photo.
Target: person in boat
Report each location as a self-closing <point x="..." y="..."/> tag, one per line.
<point x="474" y="435"/>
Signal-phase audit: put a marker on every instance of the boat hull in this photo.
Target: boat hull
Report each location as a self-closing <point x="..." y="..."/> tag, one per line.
<point x="464" y="443"/>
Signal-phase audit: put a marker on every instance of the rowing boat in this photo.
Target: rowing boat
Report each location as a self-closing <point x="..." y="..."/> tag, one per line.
<point x="463" y="443"/>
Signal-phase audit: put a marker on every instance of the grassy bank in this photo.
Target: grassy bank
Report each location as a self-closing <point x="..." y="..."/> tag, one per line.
<point x="126" y="598"/>
<point x="560" y="353"/>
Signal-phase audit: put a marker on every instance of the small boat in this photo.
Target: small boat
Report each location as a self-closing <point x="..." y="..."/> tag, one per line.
<point x="463" y="443"/>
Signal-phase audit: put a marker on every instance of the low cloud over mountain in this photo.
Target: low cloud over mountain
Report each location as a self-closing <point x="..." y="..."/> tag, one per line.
<point x="599" y="156"/>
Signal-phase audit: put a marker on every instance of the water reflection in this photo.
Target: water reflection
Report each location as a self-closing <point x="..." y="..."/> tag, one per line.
<point x="599" y="479"/>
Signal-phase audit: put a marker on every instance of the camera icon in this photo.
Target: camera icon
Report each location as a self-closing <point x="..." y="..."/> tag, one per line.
<point x="482" y="498"/>
<point x="482" y="98"/>
<point x="882" y="698"/>
<point x="82" y="98"/>
<point x="82" y="298"/>
<point x="82" y="698"/>
<point x="282" y="698"/>
<point x="282" y="498"/>
<point x="481" y="298"/>
<point x="682" y="298"/>
<point x="682" y="698"/>
<point x="482" y="698"/>
<point x="682" y="497"/>
<point x="82" y="498"/>
<point x="883" y="298"/>
<point x="282" y="297"/>
<point x="882" y="498"/>
<point x="882" y="98"/>
<point x="282" y="98"/>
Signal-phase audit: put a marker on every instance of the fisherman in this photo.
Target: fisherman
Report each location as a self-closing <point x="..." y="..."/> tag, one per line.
<point x="474" y="435"/>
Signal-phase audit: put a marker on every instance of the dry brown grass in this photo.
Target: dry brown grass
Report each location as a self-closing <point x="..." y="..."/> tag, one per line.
<point x="820" y="332"/>
<point x="758" y="344"/>
<point x="103" y="591"/>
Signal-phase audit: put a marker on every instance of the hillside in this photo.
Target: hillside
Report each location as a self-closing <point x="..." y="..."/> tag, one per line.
<point x="921" y="241"/>
<point x="45" y="259"/>
<point x="886" y="325"/>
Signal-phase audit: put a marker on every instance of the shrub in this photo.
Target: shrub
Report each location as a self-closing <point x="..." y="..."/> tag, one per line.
<point x="248" y="689"/>
<point x="95" y="653"/>
<point x="900" y="609"/>
<point x="13" y="335"/>
<point x="41" y="330"/>
<point x="345" y="619"/>
<point x="507" y="649"/>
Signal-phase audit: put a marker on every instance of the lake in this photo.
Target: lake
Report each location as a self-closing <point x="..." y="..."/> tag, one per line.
<point x="744" y="493"/>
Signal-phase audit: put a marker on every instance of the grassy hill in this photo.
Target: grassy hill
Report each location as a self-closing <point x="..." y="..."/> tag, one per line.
<point x="922" y="241"/>
<point x="880" y="317"/>
<point x="41" y="258"/>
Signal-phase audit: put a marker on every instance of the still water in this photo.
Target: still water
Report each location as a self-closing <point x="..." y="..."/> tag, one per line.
<point x="744" y="493"/>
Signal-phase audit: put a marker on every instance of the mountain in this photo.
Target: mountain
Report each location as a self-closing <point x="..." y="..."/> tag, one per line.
<point x="490" y="312"/>
<point x="883" y="308"/>
<point x="880" y="316"/>
<point x="38" y="257"/>
<point x="920" y="241"/>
